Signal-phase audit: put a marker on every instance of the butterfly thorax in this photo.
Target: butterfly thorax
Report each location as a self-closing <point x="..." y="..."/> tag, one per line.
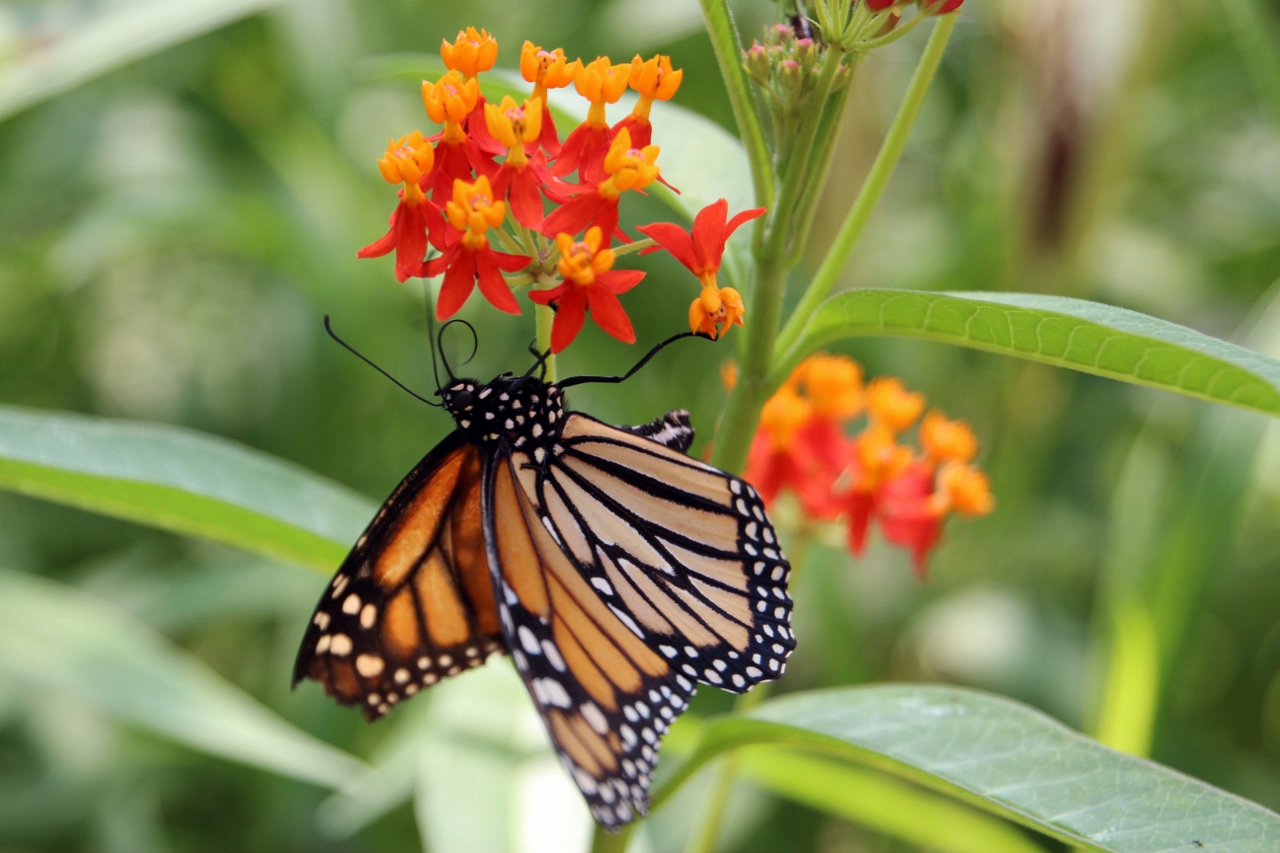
<point x="524" y="412"/>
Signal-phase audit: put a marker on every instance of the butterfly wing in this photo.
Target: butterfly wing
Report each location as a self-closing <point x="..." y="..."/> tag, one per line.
<point x="413" y="601"/>
<point x="626" y="573"/>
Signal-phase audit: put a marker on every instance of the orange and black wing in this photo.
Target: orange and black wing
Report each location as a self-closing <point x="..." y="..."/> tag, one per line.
<point x="626" y="573"/>
<point x="413" y="601"/>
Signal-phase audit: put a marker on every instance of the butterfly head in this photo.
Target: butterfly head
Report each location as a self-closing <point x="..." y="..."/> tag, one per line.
<point x="521" y="410"/>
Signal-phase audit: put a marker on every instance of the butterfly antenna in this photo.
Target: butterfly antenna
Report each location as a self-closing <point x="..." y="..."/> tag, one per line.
<point x="475" y="345"/>
<point x="360" y="356"/>
<point x="582" y="380"/>
<point x="540" y="360"/>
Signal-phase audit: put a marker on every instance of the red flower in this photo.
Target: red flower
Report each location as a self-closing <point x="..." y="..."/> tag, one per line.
<point x="450" y="102"/>
<point x="600" y="82"/>
<point x="589" y="282"/>
<point x="521" y="180"/>
<point x="467" y="257"/>
<point x="546" y="69"/>
<point x="415" y="221"/>
<point x="700" y="251"/>
<point x="626" y="168"/>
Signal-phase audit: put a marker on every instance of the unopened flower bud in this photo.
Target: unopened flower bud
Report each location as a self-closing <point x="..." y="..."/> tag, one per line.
<point x="791" y="78"/>
<point x="806" y="53"/>
<point x="756" y="62"/>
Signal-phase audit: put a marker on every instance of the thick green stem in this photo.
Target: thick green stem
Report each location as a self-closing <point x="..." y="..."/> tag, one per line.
<point x="873" y="188"/>
<point x="543" y="316"/>
<point x="728" y="49"/>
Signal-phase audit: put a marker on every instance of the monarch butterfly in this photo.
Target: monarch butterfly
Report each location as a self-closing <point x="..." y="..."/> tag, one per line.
<point x="616" y="571"/>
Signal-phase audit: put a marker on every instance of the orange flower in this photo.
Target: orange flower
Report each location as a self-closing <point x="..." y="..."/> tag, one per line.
<point x="452" y="101"/>
<point x="467" y="257"/>
<point x="546" y="69"/>
<point x="470" y="53"/>
<point x="833" y="383"/>
<point x="600" y="82"/>
<point x="589" y="282"/>
<point x="626" y="168"/>
<point x="520" y="180"/>
<point x="942" y="439"/>
<point x="873" y="478"/>
<point x="415" y="221"/>
<point x="700" y="251"/>
<point x="891" y="404"/>
<point x="654" y="80"/>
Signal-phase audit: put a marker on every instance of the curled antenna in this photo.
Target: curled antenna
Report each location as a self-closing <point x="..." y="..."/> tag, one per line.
<point x="582" y="380"/>
<point x="360" y="356"/>
<point x="475" y="344"/>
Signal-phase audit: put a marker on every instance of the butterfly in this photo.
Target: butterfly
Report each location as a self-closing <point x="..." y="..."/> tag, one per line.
<point x="616" y="571"/>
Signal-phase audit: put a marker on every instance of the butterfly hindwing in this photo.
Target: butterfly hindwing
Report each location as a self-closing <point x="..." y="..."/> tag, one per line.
<point x="626" y="573"/>
<point x="604" y="695"/>
<point x="413" y="601"/>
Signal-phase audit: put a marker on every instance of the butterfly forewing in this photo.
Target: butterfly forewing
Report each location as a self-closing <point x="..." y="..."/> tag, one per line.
<point x="413" y="602"/>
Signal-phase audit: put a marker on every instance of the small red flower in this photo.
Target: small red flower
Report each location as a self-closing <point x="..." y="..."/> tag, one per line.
<point x="449" y="102"/>
<point x="589" y="282"/>
<point x="701" y="251"/>
<point x="415" y="221"/>
<point x="467" y="257"/>
<point x="522" y="180"/>
<point x="546" y="69"/>
<point x="600" y="82"/>
<point x="626" y="168"/>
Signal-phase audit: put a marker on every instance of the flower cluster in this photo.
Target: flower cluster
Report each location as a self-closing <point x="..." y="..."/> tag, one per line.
<point x="487" y="178"/>
<point x="802" y="447"/>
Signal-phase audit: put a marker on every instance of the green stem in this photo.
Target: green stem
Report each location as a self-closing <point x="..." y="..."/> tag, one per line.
<point x="543" y="316"/>
<point x="728" y="49"/>
<point x="634" y="246"/>
<point x="873" y="187"/>
<point x="892" y="36"/>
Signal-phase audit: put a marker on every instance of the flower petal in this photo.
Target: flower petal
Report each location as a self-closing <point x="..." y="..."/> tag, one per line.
<point x="492" y="284"/>
<point x="510" y="263"/>
<point x="570" y="314"/>
<point x="525" y="198"/>
<point x="674" y="239"/>
<point x="708" y="234"/>
<point x="573" y="216"/>
<point x="547" y="297"/>
<point x="620" y="281"/>
<point x="739" y="218"/>
<point x="609" y="314"/>
<point x="459" y="281"/>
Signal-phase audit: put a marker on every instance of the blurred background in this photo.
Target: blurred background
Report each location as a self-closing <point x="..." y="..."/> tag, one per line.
<point x="183" y="187"/>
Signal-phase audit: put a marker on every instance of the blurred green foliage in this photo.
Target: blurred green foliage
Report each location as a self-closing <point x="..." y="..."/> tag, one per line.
<point x="172" y="231"/>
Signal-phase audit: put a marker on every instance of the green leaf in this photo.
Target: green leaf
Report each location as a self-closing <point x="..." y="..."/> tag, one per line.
<point x="94" y="44"/>
<point x="182" y="481"/>
<point x="58" y="636"/>
<point x="1085" y="336"/>
<point x="1007" y="759"/>
<point x="889" y="806"/>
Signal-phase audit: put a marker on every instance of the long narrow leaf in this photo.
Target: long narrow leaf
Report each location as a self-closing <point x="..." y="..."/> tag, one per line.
<point x="179" y="480"/>
<point x="1085" y="336"/>
<point x="57" y="636"/>
<point x="1007" y="759"/>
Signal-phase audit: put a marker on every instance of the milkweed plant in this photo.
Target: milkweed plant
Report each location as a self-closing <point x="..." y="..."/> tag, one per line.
<point x="504" y="198"/>
<point x="511" y="199"/>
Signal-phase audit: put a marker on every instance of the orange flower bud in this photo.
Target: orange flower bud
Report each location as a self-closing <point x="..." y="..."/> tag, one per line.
<point x="654" y="78"/>
<point x="880" y="457"/>
<point x="513" y="124"/>
<point x="715" y="310"/>
<point x="892" y="405"/>
<point x="628" y="168"/>
<point x="601" y="82"/>
<point x="833" y="383"/>
<point x="407" y="159"/>
<point x="546" y="68"/>
<point x="964" y="489"/>
<point x="471" y="53"/>
<point x="581" y="262"/>
<point x="451" y="99"/>
<point x="784" y="415"/>
<point x="473" y="209"/>
<point x="943" y="439"/>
